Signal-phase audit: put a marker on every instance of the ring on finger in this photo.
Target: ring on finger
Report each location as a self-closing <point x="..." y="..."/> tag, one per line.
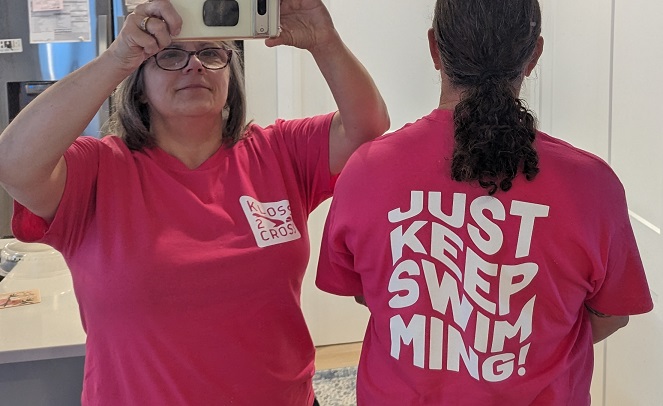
<point x="143" y="24"/>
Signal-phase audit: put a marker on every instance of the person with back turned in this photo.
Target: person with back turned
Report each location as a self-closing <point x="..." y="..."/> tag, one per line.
<point x="491" y="256"/>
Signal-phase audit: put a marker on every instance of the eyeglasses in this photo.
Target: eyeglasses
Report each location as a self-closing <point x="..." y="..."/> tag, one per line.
<point x="176" y="58"/>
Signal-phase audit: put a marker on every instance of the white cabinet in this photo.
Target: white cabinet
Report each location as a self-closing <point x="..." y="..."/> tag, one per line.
<point x="633" y="366"/>
<point x="637" y="139"/>
<point x="331" y="319"/>
<point x="575" y="73"/>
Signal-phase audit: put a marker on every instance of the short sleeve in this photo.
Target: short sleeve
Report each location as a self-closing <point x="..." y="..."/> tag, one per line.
<point x="77" y="201"/>
<point x="306" y="141"/>
<point x="336" y="273"/>
<point x="624" y="289"/>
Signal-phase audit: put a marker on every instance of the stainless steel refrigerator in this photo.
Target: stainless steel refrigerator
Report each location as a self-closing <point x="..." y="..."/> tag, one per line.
<point x="41" y="42"/>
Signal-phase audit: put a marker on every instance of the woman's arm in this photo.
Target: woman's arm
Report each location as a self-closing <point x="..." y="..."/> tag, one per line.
<point x="604" y="325"/>
<point x="362" y="113"/>
<point x="32" y="168"/>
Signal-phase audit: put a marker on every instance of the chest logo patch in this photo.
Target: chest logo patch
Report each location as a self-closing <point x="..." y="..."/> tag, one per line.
<point x="271" y="222"/>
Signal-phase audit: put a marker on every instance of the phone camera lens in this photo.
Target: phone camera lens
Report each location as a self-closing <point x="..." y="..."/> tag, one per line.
<point x="262" y="7"/>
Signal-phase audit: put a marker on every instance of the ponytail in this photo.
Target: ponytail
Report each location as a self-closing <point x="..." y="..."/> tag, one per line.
<point x="485" y="47"/>
<point x="494" y="133"/>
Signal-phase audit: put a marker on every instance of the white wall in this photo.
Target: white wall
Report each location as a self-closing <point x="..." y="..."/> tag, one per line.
<point x="575" y="72"/>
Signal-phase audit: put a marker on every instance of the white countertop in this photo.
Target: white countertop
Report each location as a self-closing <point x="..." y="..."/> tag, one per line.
<point x="47" y="330"/>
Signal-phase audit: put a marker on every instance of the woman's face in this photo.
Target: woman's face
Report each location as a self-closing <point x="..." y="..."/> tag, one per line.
<point x="193" y="91"/>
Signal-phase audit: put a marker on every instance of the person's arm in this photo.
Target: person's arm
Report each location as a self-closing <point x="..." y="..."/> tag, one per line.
<point x="362" y="114"/>
<point x="32" y="168"/>
<point x="604" y="325"/>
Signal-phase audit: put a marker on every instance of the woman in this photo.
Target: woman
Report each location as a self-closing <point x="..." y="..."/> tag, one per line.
<point x="186" y="237"/>
<point x="490" y="255"/>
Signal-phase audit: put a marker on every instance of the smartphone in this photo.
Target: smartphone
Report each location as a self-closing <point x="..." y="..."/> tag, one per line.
<point x="228" y="19"/>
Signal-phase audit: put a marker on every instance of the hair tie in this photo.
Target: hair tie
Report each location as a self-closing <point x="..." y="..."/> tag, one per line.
<point x="491" y="76"/>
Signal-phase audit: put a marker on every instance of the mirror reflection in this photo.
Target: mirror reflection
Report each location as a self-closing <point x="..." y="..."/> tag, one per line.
<point x="592" y="87"/>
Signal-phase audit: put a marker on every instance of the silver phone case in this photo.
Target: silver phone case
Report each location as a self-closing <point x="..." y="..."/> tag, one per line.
<point x="250" y="23"/>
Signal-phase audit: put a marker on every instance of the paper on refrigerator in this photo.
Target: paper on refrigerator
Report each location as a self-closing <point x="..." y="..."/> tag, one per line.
<point x="59" y="21"/>
<point x="47" y="5"/>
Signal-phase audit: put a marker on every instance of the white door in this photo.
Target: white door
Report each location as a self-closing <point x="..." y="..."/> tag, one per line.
<point x="635" y="355"/>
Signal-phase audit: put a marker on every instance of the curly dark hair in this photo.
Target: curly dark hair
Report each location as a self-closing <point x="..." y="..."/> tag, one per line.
<point x="485" y="46"/>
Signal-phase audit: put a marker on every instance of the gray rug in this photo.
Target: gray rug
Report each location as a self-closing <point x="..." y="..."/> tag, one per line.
<point x="336" y="387"/>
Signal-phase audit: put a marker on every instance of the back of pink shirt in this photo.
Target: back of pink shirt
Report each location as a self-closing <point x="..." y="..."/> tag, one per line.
<point x="478" y="300"/>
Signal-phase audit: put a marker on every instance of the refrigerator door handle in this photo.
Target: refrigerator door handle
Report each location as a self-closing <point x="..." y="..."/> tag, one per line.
<point x="103" y="40"/>
<point x="103" y="33"/>
<point x="119" y="20"/>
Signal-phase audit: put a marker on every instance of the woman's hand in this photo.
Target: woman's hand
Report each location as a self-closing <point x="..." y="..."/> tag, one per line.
<point x="146" y="31"/>
<point x="305" y="24"/>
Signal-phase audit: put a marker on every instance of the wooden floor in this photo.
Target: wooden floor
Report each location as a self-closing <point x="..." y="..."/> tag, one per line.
<point x="337" y="356"/>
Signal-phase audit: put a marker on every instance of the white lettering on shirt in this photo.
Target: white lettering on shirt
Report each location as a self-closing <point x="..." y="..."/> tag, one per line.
<point x="478" y="313"/>
<point x="271" y="222"/>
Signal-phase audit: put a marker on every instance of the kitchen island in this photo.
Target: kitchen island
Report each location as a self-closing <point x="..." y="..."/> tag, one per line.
<point x="42" y="345"/>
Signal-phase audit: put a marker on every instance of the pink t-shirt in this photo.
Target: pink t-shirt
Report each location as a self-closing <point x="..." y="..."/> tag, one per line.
<point x="478" y="300"/>
<point x="189" y="281"/>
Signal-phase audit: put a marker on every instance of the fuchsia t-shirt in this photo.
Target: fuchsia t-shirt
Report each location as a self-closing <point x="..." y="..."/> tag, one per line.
<point x="189" y="281"/>
<point x="478" y="300"/>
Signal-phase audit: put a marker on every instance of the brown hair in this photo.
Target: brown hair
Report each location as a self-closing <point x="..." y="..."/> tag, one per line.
<point x="485" y="46"/>
<point x="131" y="119"/>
